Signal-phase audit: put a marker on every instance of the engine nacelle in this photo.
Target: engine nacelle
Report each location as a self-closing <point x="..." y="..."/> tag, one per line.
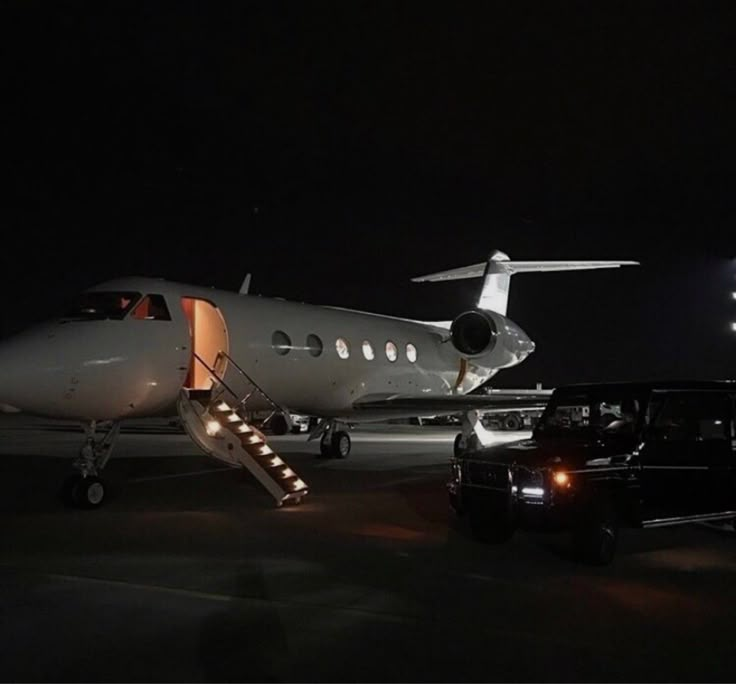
<point x="474" y="333"/>
<point x="490" y="339"/>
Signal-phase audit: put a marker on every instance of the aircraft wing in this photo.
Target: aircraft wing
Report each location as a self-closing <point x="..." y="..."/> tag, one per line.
<point x="420" y="405"/>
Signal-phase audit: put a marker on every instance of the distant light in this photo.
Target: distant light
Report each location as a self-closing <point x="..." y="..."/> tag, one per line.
<point x="733" y="327"/>
<point x="733" y="294"/>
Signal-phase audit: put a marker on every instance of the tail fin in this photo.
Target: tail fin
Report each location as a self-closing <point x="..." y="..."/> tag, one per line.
<point x="497" y="272"/>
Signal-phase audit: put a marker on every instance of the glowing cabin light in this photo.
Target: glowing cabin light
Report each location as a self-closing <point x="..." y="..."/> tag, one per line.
<point x="213" y="427"/>
<point x="288" y="472"/>
<point x="532" y="491"/>
<point x="299" y="484"/>
<point x="244" y="428"/>
<point x="233" y="418"/>
<point x="561" y="479"/>
<point x="223" y="406"/>
<point x="276" y="461"/>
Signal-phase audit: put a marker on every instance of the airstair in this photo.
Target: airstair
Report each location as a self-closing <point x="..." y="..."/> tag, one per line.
<point x="216" y="420"/>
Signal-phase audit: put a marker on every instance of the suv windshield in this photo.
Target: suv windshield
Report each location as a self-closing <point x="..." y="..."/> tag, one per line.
<point x="604" y="413"/>
<point x="95" y="306"/>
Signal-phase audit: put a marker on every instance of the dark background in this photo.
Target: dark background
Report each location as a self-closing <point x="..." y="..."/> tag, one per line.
<point x="337" y="149"/>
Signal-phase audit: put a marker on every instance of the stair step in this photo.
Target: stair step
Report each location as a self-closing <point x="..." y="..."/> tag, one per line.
<point x="218" y="427"/>
<point x="220" y="407"/>
<point x="291" y="484"/>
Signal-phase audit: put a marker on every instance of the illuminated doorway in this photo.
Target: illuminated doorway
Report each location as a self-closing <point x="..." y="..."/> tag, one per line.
<point x="208" y="332"/>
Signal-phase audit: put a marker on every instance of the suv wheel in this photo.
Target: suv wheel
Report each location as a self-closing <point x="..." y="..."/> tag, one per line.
<point x="596" y="536"/>
<point x="512" y="422"/>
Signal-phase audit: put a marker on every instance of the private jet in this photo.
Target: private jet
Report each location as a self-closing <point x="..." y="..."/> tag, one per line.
<point x="142" y="347"/>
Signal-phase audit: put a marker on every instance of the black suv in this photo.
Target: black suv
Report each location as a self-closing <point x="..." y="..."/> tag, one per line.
<point x="604" y="456"/>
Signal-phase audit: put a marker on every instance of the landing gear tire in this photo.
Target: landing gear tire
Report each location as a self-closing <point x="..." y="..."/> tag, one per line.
<point x="464" y="445"/>
<point x="278" y="425"/>
<point x="325" y="446"/>
<point x="335" y="445"/>
<point x="83" y="492"/>
<point x="68" y="489"/>
<point x="341" y="444"/>
<point x="596" y="537"/>
<point x="89" y="493"/>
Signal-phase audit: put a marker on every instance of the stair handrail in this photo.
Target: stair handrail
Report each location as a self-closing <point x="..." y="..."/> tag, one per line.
<point x="215" y="375"/>
<point x="260" y="389"/>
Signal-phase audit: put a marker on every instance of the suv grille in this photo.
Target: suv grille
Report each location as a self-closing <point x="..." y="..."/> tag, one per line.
<point x="488" y="475"/>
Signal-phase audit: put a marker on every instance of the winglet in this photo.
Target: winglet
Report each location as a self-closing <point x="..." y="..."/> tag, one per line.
<point x="245" y="286"/>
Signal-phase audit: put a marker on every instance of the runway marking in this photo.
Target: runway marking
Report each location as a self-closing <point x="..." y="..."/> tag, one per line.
<point x="176" y="475"/>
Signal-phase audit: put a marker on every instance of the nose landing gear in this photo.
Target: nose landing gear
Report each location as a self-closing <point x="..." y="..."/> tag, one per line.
<point x="84" y="488"/>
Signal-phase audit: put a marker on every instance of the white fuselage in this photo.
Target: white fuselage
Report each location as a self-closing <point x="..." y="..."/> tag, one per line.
<point x="110" y="369"/>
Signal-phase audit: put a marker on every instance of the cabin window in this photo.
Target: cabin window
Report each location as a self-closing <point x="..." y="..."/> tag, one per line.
<point x="411" y="352"/>
<point x="98" y="306"/>
<point x="368" y="351"/>
<point x="314" y="345"/>
<point x="392" y="353"/>
<point x="281" y="342"/>
<point x="152" y="308"/>
<point x="342" y="347"/>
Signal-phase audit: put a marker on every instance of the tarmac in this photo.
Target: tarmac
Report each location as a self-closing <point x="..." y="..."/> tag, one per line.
<point x="189" y="573"/>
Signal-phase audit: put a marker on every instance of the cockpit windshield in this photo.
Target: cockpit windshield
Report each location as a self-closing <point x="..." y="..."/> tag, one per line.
<point x="603" y="413"/>
<point x="97" y="306"/>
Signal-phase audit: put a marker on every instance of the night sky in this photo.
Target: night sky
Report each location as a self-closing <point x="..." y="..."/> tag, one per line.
<point x="336" y="150"/>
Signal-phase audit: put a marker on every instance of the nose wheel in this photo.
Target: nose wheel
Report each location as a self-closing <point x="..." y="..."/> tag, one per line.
<point x="84" y="488"/>
<point x="83" y="492"/>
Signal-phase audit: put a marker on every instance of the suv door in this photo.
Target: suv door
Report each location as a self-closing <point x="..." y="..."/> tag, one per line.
<point x="687" y="461"/>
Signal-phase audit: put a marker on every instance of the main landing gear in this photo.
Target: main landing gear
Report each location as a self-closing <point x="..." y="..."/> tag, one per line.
<point x="334" y="443"/>
<point x="473" y="435"/>
<point x="84" y="488"/>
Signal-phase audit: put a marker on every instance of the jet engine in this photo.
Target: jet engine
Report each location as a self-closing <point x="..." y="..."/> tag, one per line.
<point x="474" y="333"/>
<point x="489" y="339"/>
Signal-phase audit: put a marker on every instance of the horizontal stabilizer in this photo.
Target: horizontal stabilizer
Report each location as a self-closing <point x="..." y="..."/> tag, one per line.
<point x="511" y="267"/>
<point x="497" y="270"/>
